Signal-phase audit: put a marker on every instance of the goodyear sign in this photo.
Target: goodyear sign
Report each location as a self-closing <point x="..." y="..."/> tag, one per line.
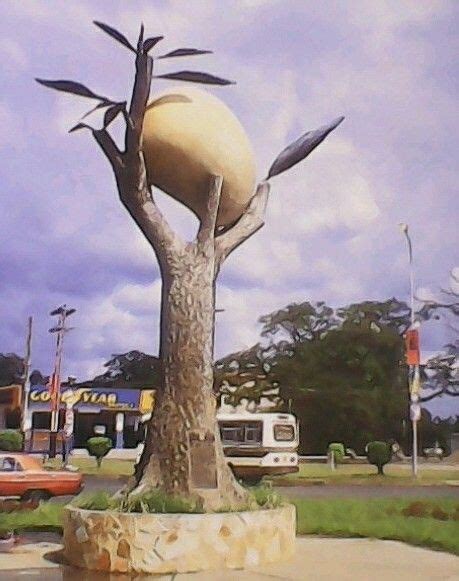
<point x="100" y="398"/>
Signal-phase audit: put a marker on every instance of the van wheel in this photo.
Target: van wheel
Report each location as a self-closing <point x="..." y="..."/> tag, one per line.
<point x="36" y="495"/>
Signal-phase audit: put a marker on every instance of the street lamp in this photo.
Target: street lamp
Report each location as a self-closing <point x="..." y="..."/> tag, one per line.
<point x="55" y="385"/>
<point x="414" y="372"/>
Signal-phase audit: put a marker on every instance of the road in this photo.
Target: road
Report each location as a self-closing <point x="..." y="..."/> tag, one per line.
<point x="93" y="483"/>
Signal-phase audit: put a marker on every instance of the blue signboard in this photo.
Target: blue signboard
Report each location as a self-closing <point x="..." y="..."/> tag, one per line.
<point x="88" y="397"/>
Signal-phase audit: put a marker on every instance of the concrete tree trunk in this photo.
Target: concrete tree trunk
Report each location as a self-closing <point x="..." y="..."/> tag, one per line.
<point x="183" y="453"/>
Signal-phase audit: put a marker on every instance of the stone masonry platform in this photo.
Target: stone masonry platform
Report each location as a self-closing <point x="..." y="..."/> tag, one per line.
<point x="177" y="543"/>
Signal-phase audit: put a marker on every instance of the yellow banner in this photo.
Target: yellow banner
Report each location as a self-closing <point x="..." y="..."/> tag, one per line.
<point x="147" y="401"/>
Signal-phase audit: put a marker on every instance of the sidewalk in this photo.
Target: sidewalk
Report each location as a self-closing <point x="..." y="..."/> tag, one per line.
<point x="316" y="559"/>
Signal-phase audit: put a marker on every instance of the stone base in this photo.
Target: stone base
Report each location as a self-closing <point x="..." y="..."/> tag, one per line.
<point x="177" y="543"/>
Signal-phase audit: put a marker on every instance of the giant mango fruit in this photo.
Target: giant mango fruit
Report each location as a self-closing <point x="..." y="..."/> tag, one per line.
<point x="189" y="135"/>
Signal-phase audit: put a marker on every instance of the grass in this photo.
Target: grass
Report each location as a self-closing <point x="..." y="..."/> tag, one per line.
<point x="436" y="525"/>
<point x="399" y="474"/>
<point x="366" y="474"/>
<point x="154" y="501"/>
<point x="432" y="523"/>
<point x="47" y="517"/>
<point x="157" y="501"/>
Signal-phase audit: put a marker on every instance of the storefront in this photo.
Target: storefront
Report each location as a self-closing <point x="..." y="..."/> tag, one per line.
<point x="88" y="411"/>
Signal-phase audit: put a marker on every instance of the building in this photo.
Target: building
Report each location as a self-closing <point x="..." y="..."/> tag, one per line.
<point x="10" y="406"/>
<point x="86" y="411"/>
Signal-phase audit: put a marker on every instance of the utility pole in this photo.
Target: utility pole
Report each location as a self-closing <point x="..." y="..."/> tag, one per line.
<point x="414" y="379"/>
<point x="55" y="384"/>
<point x="25" y="421"/>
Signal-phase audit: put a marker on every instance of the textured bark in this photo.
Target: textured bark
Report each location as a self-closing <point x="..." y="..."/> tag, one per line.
<point x="183" y="454"/>
<point x="186" y="407"/>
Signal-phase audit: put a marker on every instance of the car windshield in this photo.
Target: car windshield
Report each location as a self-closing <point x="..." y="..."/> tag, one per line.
<point x="8" y="464"/>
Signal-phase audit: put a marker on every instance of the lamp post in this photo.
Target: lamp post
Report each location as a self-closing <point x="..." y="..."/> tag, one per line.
<point x="60" y="329"/>
<point x="413" y="358"/>
<point x="25" y="419"/>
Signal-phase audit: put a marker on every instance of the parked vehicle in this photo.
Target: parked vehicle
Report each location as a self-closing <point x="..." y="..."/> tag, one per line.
<point x="258" y="444"/>
<point x="24" y="476"/>
<point x="434" y="452"/>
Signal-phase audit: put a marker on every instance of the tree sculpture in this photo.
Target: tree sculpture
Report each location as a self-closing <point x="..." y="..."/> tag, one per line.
<point x="182" y="454"/>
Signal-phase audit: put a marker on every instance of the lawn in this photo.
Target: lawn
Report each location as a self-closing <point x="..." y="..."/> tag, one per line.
<point x="399" y="474"/>
<point x="432" y="523"/>
<point x="309" y="473"/>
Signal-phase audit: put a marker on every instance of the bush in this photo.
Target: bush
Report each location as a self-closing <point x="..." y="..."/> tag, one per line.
<point x="266" y="497"/>
<point x="99" y="446"/>
<point x="418" y="509"/>
<point x="379" y="454"/>
<point x="337" y="449"/>
<point x="11" y="440"/>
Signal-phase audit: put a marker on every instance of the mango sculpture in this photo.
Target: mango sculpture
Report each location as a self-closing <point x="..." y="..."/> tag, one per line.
<point x="190" y="135"/>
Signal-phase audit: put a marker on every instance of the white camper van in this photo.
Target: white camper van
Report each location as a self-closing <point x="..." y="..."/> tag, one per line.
<point x="258" y="444"/>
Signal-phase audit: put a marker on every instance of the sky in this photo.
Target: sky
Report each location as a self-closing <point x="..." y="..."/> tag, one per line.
<point x="331" y="228"/>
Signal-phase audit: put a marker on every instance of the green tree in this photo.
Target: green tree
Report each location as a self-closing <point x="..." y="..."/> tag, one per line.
<point x="392" y="314"/>
<point x="99" y="447"/>
<point x="297" y="323"/>
<point x="379" y="454"/>
<point x="247" y="377"/>
<point x="349" y="385"/>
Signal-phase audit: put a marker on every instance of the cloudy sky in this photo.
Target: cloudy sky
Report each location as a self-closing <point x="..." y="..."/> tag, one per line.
<point x="331" y="231"/>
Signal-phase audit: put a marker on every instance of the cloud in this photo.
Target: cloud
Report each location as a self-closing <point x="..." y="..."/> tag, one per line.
<point x="331" y="226"/>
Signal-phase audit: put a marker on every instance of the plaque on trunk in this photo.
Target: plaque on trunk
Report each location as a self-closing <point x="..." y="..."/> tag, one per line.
<point x="203" y="461"/>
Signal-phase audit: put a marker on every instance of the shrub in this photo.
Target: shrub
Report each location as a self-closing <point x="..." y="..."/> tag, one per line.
<point x="99" y="446"/>
<point x="439" y="514"/>
<point x="337" y="449"/>
<point x="7" y="506"/>
<point x="418" y="509"/>
<point x="266" y="497"/>
<point x="6" y="534"/>
<point x="11" y="440"/>
<point x="379" y="454"/>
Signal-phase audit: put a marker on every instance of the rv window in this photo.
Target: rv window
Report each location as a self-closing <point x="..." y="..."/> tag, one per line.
<point x="232" y="434"/>
<point x="253" y="433"/>
<point x="241" y="433"/>
<point x="284" y="433"/>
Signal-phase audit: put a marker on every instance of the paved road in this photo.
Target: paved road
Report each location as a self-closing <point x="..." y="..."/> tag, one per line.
<point x="93" y="483"/>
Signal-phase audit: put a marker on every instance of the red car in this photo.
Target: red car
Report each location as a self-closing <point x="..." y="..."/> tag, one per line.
<point x="24" y="476"/>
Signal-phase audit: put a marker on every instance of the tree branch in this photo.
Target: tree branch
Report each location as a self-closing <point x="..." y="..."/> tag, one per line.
<point x="133" y="184"/>
<point x="110" y="149"/>
<point x="154" y="226"/>
<point x="249" y="223"/>
<point x="209" y="220"/>
<point x="139" y="100"/>
<point x="445" y="391"/>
